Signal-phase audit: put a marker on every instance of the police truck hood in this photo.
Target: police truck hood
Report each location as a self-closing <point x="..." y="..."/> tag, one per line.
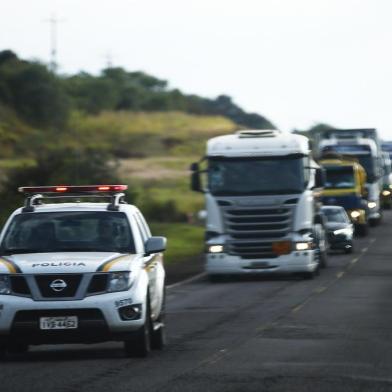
<point x="66" y="262"/>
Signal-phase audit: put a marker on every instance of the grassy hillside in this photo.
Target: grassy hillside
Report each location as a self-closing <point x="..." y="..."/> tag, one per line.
<point x="148" y="134"/>
<point x="154" y="151"/>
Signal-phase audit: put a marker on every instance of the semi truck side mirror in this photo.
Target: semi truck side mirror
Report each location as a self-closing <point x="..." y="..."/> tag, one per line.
<point x="319" y="178"/>
<point x="195" y="178"/>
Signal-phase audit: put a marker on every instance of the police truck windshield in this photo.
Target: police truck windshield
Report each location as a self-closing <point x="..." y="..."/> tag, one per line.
<point x="253" y="176"/>
<point x="68" y="232"/>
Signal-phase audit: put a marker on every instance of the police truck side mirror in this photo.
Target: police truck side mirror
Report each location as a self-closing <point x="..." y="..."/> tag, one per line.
<point x="195" y="178"/>
<point x="155" y="245"/>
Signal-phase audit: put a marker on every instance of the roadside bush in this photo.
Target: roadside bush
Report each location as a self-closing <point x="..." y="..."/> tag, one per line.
<point x="166" y="211"/>
<point x="59" y="166"/>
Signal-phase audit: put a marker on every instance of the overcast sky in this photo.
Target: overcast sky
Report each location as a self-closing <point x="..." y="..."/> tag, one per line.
<point x="298" y="62"/>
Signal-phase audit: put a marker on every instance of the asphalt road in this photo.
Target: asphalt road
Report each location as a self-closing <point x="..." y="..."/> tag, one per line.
<point x="331" y="334"/>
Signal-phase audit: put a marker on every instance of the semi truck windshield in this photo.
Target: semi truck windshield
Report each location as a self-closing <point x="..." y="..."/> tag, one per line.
<point x="241" y="176"/>
<point x="339" y="177"/>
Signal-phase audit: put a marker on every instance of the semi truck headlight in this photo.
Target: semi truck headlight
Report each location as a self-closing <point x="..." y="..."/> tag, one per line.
<point x="345" y="231"/>
<point x="119" y="281"/>
<point x="303" y="246"/>
<point x="372" y="204"/>
<point x="386" y="193"/>
<point x="215" y="249"/>
<point x="355" y="214"/>
<point x="5" y="284"/>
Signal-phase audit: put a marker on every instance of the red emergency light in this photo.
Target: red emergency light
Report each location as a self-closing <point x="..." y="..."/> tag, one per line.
<point x="73" y="189"/>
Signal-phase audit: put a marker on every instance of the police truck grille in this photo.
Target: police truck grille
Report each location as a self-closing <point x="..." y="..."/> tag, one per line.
<point x="19" y="285"/>
<point x="52" y="285"/>
<point x="253" y="230"/>
<point x="98" y="284"/>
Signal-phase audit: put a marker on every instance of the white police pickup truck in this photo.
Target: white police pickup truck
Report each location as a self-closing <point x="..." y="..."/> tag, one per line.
<point x="80" y="272"/>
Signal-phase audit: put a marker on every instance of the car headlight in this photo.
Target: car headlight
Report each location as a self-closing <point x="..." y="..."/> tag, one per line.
<point x="215" y="249"/>
<point x="303" y="246"/>
<point x="386" y="193"/>
<point x="372" y="204"/>
<point x="119" y="281"/>
<point x="345" y="231"/>
<point x="355" y="214"/>
<point x="5" y="284"/>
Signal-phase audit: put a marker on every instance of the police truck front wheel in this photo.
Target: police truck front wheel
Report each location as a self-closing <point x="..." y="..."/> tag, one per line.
<point x="139" y="343"/>
<point x="158" y="334"/>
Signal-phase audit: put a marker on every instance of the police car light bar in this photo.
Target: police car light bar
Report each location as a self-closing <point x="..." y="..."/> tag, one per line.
<point x="73" y="189"/>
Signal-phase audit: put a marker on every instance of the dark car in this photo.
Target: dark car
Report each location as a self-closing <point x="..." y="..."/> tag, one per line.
<point x="340" y="230"/>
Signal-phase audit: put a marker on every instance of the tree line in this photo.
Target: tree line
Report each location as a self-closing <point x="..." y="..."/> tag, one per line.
<point x="44" y="99"/>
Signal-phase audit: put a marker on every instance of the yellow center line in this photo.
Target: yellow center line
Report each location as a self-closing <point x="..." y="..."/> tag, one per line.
<point x="320" y="290"/>
<point x="355" y="260"/>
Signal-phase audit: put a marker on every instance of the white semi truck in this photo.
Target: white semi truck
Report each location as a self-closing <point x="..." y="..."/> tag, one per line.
<point x="261" y="199"/>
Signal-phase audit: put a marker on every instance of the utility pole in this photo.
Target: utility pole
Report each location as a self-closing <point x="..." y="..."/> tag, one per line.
<point x="53" y="22"/>
<point x="109" y="60"/>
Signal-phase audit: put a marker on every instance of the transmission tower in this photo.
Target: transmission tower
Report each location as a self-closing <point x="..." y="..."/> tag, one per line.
<point x="53" y="23"/>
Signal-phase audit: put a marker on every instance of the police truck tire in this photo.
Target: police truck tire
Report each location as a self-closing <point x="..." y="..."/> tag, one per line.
<point x="323" y="259"/>
<point x="158" y="334"/>
<point x="139" y="344"/>
<point x="18" y="348"/>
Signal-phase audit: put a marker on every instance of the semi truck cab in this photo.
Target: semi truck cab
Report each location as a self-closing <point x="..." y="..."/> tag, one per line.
<point x="345" y="187"/>
<point x="368" y="155"/>
<point x="261" y="194"/>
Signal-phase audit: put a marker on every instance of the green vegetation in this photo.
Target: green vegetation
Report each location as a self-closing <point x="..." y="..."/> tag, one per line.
<point x="117" y="126"/>
<point x="185" y="241"/>
<point x="147" y="134"/>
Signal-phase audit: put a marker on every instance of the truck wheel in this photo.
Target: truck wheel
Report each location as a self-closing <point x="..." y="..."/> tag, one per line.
<point x="374" y="222"/>
<point x="158" y="334"/>
<point x="139" y="344"/>
<point x="18" y="348"/>
<point x="215" y="278"/>
<point x="362" y="230"/>
<point x="323" y="259"/>
<point x="349" y="250"/>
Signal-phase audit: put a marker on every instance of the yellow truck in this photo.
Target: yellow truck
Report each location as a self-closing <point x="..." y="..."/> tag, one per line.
<point x="345" y="186"/>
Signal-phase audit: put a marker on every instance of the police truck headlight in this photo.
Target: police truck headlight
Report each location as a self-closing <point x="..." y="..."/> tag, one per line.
<point x="386" y="193"/>
<point x="119" y="281"/>
<point x="215" y="249"/>
<point x="372" y="204"/>
<point x="5" y="284"/>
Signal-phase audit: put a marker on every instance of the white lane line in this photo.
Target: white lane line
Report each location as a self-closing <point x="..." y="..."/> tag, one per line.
<point x="340" y="274"/>
<point x="185" y="281"/>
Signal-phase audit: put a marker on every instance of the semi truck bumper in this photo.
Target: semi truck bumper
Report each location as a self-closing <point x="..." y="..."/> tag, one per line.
<point x="295" y="262"/>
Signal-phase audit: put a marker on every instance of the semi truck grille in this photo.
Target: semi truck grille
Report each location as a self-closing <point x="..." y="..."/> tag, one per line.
<point x="253" y="230"/>
<point x="58" y="285"/>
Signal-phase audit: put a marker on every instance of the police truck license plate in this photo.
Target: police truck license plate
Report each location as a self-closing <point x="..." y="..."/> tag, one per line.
<point x="69" y="322"/>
